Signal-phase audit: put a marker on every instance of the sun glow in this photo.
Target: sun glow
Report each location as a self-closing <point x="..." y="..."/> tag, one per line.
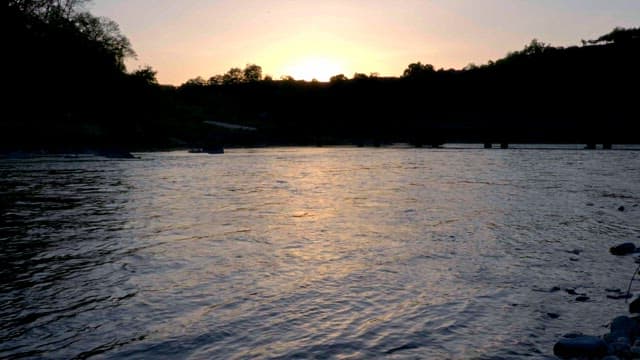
<point x="318" y="68"/>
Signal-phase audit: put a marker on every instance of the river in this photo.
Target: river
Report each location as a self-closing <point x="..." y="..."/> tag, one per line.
<point x="313" y="252"/>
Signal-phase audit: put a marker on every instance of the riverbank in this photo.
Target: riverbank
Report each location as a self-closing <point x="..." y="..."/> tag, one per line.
<point x="623" y="339"/>
<point x="19" y="153"/>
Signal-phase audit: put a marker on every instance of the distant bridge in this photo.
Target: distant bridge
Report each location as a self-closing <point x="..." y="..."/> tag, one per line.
<point x="589" y="146"/>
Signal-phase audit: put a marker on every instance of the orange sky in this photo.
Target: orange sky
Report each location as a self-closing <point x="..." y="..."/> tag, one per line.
<point x="316" y="39"/>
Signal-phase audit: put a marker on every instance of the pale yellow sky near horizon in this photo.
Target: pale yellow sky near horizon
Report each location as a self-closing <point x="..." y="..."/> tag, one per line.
<point x="317" y="39"/>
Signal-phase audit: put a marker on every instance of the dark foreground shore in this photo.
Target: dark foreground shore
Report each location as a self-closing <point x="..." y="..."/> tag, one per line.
<point x="623" y="339"/>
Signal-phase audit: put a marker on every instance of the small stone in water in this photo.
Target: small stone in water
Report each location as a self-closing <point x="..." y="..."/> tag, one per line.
<point x="620" y="296"/>
<point x="572" y="291"/>
<point x="580" y="346"/>
<point x="554" y="289"/>
<point x="619" y="348"/>
<point x="553" y="315"/>
<point x="623" y="328"/>
<point x="623" y="249"/>
<point x="621" y="208"/>
<point x="634" y="307"/>
<point x="582" y="298"/>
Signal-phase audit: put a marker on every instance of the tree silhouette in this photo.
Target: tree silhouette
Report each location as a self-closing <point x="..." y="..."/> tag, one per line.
<point x="146" y="74"/>
<point x="107" y="33"/>
<point x="233" y="76"/>
<point x="252" y="73"/>
<point x="216" y="80"/>
<point x="338" y="78"/>
<point x="360" y="76"/>
<point x="195" y="82"/>
<point x="535" y="47"/>
<point x="47" y="9"/>
<point x="617" y="36"/>
<point x="417" y="70"/>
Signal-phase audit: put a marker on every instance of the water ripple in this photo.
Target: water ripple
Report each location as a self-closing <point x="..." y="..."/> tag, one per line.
<point x="311" y="253"/>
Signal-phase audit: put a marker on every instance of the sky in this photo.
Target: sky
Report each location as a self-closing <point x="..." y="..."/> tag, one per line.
<point x="310" y="39"/>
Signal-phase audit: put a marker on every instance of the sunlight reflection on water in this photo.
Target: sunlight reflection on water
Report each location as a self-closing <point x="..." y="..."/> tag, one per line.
<point x="312" y="252"/>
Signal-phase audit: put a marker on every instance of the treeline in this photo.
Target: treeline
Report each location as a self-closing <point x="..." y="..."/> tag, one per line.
<point x="578" y="94"/>
<point x="68" y="89"/>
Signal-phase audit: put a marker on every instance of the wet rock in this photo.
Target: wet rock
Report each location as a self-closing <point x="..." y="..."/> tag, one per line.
<point x="580" y="346"/>
<point x="582" y="298"/>
<point x="621" y="349"/>
<point x="634" y="307"/>
<point x="621" y="208"/>
<point x="571" y="291"/>
<point x="590" y="204"/>
<point x="553" y="315"/>
<point x="622" y="327"/>
<point x="623" y="249"/>
<point x="613" y="290"/>
<point x="620" y="296"/>
<point x="574" y="251"/>
<point x="554" y="289"/>
<point x="574" y="259"/>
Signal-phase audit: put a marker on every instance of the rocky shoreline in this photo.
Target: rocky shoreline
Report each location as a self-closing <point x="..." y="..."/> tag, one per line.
<point x="623" y="339"/>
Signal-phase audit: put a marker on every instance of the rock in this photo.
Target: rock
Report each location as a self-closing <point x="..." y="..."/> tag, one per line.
<point x="621" y="208"/>
<point x="613" y="290"/>
<point x="590" y="204"/>
<point x="619" y="348"/>
<point x="620" y="296"/>
<point x="574" y="259"/>
<point x="634" y="307"/>
<point x="582" y="298"/>
<point x="580" y="346"/>
<point x="553" y="315"/>
<point x="623" y="327"/>
<point x="574" y="251"/>
<point x="571" y="291"/>
<point x="623" y="249"/>
<point x="554" y="289"/>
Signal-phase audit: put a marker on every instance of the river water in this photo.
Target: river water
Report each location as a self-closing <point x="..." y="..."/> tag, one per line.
<point x="313" y="252"/>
